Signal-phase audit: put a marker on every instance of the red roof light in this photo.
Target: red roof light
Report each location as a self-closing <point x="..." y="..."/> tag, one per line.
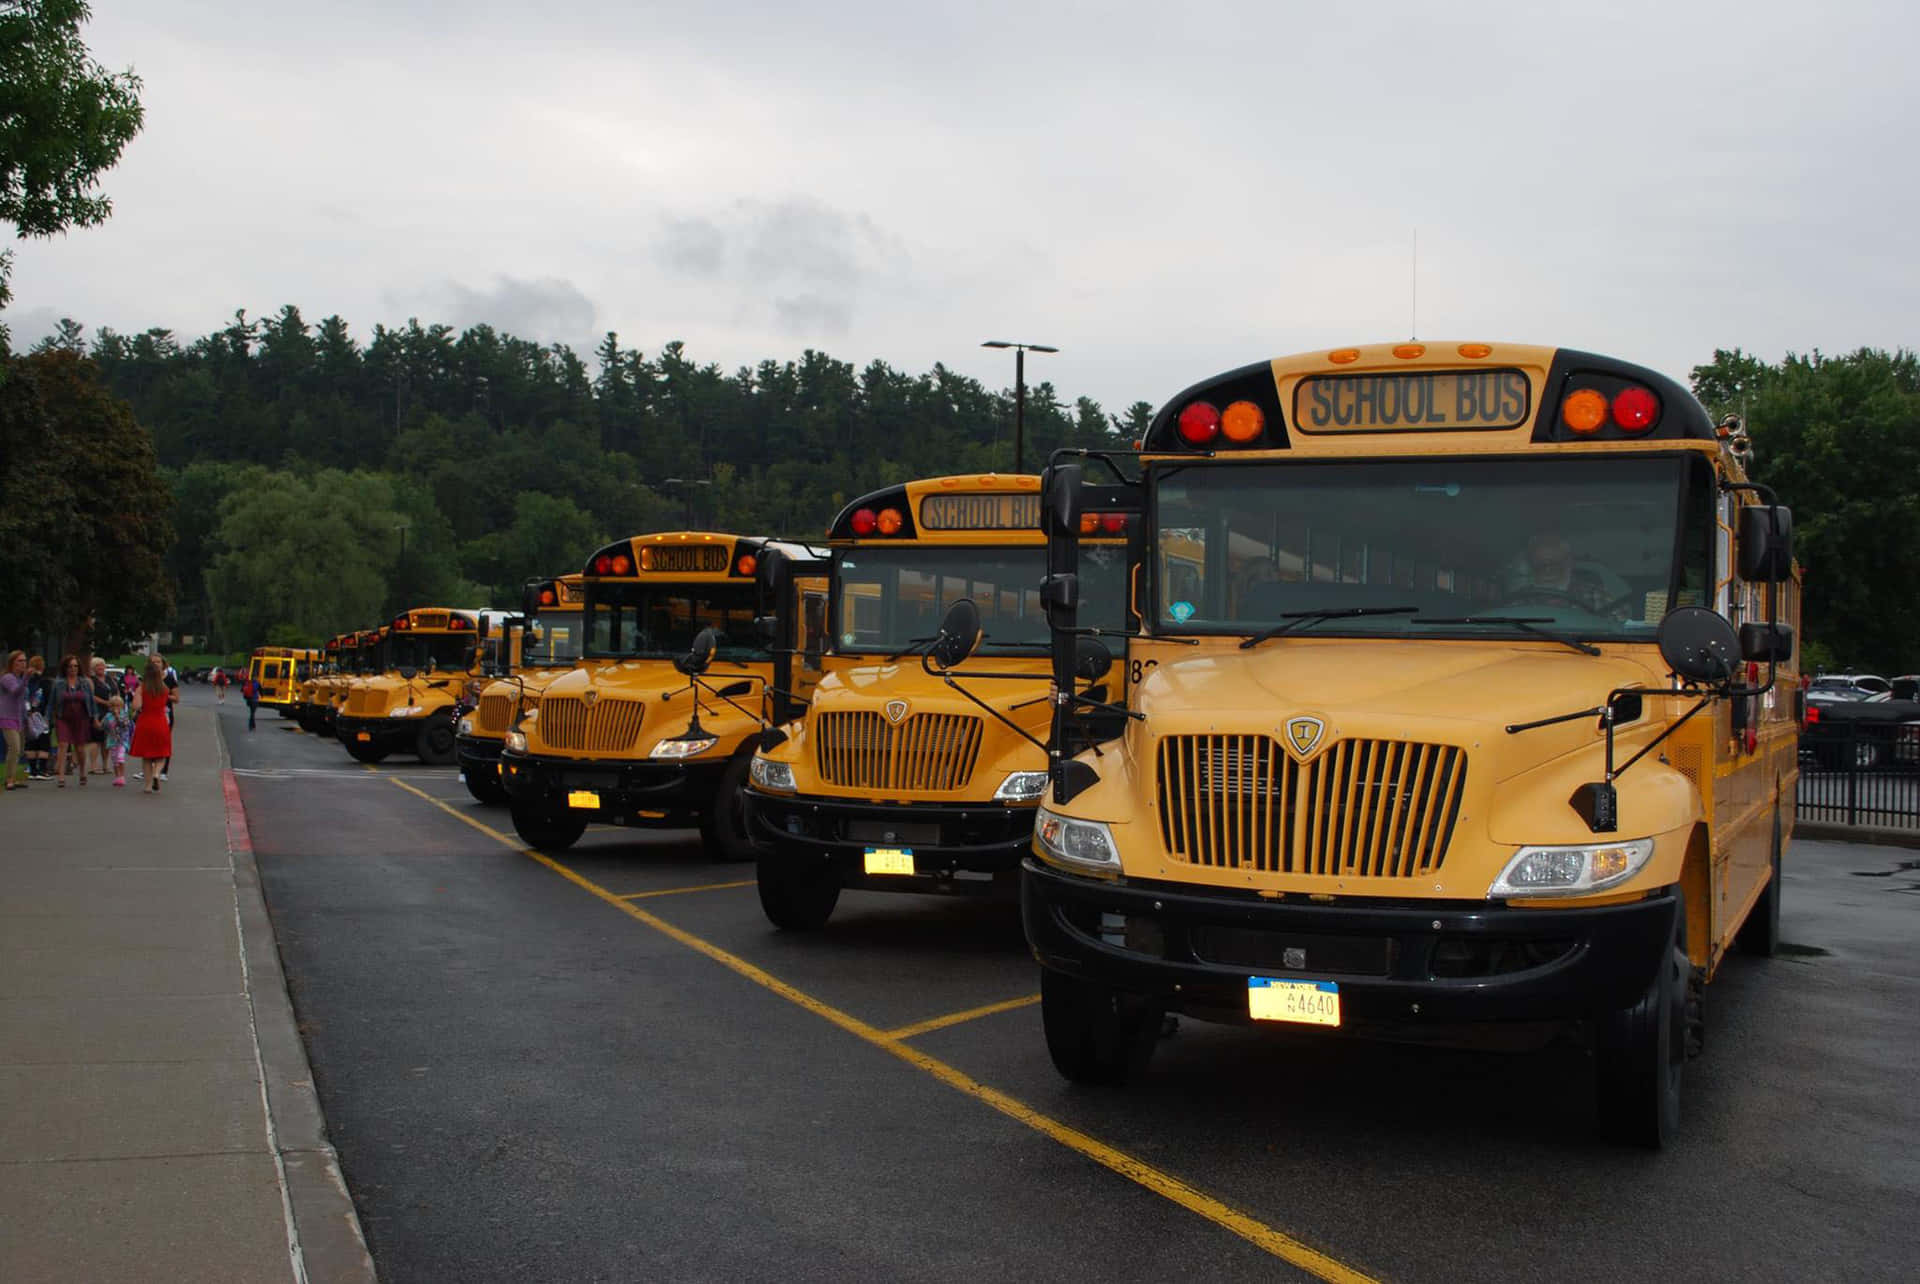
<point x="1635" y="409"/>
<point x="864" y="521"/>
<point x="1199" y="423"/>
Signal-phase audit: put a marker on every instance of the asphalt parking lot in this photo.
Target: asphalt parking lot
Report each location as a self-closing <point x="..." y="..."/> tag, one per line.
<point x="609" y="1066"/>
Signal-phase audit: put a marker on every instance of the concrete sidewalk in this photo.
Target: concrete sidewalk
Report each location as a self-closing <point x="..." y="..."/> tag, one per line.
<point x="157" y="1116"/>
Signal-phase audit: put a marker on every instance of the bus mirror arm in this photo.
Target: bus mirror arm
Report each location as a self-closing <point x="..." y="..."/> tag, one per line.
<point x="947" y="677"/>
<point x="1598" y="803"/>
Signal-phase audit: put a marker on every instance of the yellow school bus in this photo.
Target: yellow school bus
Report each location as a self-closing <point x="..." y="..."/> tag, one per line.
<point x="905" y="775"/>
<point x="277" y="672"/>
<point x="313" y="708"/>
<point x="360" y="653"/>
<point x="1469" y="703"/>
<point x="689" y="647"/>
<point x="408" y="704"/>
<point x="548" y="640"/>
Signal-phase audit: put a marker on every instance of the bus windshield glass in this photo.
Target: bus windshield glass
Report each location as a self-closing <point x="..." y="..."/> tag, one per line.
<point x="1582" y="546"/>
<point x="659" y="621"/>
<point x="559" y="644"/>
<point x="442" y="651"/>
<point x="891" y="598"/>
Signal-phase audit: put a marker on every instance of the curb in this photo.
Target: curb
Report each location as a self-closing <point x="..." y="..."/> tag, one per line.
<point x="323" y="1231"/>
<point x="1856" y="833"/>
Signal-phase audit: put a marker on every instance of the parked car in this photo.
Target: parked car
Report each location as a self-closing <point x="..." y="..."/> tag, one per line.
<point x="1861" y="731"/>
<point x="1838" y="687"/>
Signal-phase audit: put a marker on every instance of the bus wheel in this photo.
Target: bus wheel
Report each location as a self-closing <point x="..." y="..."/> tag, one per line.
<point x="797" y="898"/>
<point x="723" y="829"/>
<point x="434" y="744"/>
<point x="1095" y="1034"/>
<point x="546" y="831"/>
<point x="485" y="787"/>
<point x="365" y="753"/>
<point x="1640" y="1052"/>
<point x="1760" y="934"/>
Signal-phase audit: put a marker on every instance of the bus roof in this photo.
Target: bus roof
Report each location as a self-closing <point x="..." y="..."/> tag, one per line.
<point x="970" y="508"/>
<point x="1456" y="397"/>
<point x="697" y="555"/>
<point x="436" y="619"/>
<point x="561" y="593"/>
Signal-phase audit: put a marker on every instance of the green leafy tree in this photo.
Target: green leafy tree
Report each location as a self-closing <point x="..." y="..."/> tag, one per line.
<point x="549" y="535"/>
<point x="83" y="510"/>
<point x="64" y="120"/>
<point x="1839" y="439"/>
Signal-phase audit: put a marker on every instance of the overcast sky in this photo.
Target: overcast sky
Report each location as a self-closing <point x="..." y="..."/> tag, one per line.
<point x="1162" y="191"/>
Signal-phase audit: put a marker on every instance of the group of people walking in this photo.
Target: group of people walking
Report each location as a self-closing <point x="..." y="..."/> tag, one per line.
<point x="82" y="722"/>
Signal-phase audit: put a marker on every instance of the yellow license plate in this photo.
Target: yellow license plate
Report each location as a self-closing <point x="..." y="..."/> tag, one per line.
<point x="1302" y="1002"/>
<point x="362" y="735"/>
<point x="584" y="799"/>
<point x="889" y="860"/>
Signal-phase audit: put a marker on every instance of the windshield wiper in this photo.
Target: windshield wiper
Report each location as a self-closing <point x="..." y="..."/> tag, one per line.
<point x="1292" y="620"/>
<point x="1525" y="623"/>
<point x="908" y="649"/>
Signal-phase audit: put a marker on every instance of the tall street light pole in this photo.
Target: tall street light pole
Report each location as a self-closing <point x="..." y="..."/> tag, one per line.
<point x="1020" y="351"/>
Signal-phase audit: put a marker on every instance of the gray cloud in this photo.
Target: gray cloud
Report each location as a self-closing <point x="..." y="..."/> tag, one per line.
<point x="811" y="314"/>
<point x="549" y="308"/>
<point x="693" y="247"/>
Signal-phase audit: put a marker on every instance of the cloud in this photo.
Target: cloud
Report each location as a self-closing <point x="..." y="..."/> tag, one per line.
<point x="809" y="314"/>
<point x="693" y="247"/>
<point x="548" y="309"/>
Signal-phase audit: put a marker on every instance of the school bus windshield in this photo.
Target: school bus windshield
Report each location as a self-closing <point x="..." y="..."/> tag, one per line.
<point x="890" y="598"/>
<point x="428" y="650"/>
<point x="659" y="621"/>
<point x="1597" y="548"/>
<point x="559" y="644"/>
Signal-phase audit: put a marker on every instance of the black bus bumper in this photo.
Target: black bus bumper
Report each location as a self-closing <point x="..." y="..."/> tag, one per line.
<point x="644" y="792"/>
<point x="1397" y="964"/>
<point x="962" y="847"/>
<point x="478" y="756"/>
<point x="377" y="733"/>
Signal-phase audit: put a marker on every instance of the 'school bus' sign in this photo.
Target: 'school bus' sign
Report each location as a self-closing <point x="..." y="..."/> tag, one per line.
<point x="1416" y="401"/>
<point x="980" y="512"/>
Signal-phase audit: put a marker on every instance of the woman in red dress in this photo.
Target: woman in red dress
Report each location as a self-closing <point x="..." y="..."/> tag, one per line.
<point x="152" y="734"/>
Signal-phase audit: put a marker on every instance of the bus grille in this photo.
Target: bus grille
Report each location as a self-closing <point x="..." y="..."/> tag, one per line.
<point x="932" y="752"/>
<point x="1363" y="808"/>
<point x="494" y="712"/>
<point x="610" y="726"/>
<point x="357" y="702"/>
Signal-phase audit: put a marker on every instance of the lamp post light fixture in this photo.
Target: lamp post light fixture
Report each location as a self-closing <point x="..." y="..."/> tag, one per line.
<point x="686" y="486"/>
<point x="1020" y="351"/>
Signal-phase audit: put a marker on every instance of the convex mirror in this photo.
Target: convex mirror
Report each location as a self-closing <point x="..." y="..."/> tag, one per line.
<point x="959" y="634"/>
<point x="700" y="654"/>
<point x="1699" y="645"/>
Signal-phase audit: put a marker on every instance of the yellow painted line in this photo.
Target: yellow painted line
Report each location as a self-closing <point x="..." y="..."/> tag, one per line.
<point x="675" y="891"/>
<point x="1257" y="1233"/>
<point x="956" y="1018"/>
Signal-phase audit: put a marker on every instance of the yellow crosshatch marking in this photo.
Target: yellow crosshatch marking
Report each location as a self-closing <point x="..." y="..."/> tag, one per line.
<point x="957" y="1018"/>
<point x="1257" y="1233"/>
<point x="675" y="891"/>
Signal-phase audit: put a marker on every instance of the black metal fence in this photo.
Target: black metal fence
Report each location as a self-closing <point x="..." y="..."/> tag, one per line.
<point x="1861" y="773"/>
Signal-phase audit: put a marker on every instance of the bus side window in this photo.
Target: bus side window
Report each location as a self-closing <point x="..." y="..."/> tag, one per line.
<point x="813" y="630"/>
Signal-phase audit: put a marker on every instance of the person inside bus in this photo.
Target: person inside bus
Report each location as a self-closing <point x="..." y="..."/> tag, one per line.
<point x="1549" y="574"/>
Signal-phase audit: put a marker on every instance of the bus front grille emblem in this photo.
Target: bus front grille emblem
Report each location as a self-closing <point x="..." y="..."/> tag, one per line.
<point x="588" y="696"/>
<point x="1303" y="736"/>
<point x="896" y="710"/>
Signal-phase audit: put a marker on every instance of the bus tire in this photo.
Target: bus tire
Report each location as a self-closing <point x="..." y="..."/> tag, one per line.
<point x="797" y="899"/>
<point x="1095" y="1034"/>
<point x="723" y="828"/>
<point x="1760" y="934"/>
<point x="547" y="832"/>
<point x="485" y="787"/>
<point x="1640" y="1053"/>
<point x="434" y="743"/>
<point x="365" y="753"/>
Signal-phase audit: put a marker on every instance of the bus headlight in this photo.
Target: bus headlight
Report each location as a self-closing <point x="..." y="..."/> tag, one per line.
<point x="776" y="777"/>
<point x="1021" y="786"/>
<point x="466" y="726"/>
<point x="1082" y="844"/>
<point x="404" y="711"/>
<point x="516" y="742"/>
<point x="1571" y="871"/>
<point x="683" y="748"/>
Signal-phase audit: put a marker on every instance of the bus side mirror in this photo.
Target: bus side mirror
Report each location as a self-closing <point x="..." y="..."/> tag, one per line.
<point x="1060" y="599"/>
<point x="408" y="672"/>
<point x="1766" y="543"/>
<point x="766" y="571"/>
<point x="959" y="635"/>
<point x="1091" y="659"/>
<point x="1763" y="643"/>
<point x="1699" y="645"/>
<point x="700" y="654"/>
<point x="1060" y="504"/>
<point x="767" y="629"/>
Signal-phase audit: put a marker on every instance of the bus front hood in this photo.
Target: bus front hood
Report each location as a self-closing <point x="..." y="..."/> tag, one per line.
<point x="1462" y="693"/>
